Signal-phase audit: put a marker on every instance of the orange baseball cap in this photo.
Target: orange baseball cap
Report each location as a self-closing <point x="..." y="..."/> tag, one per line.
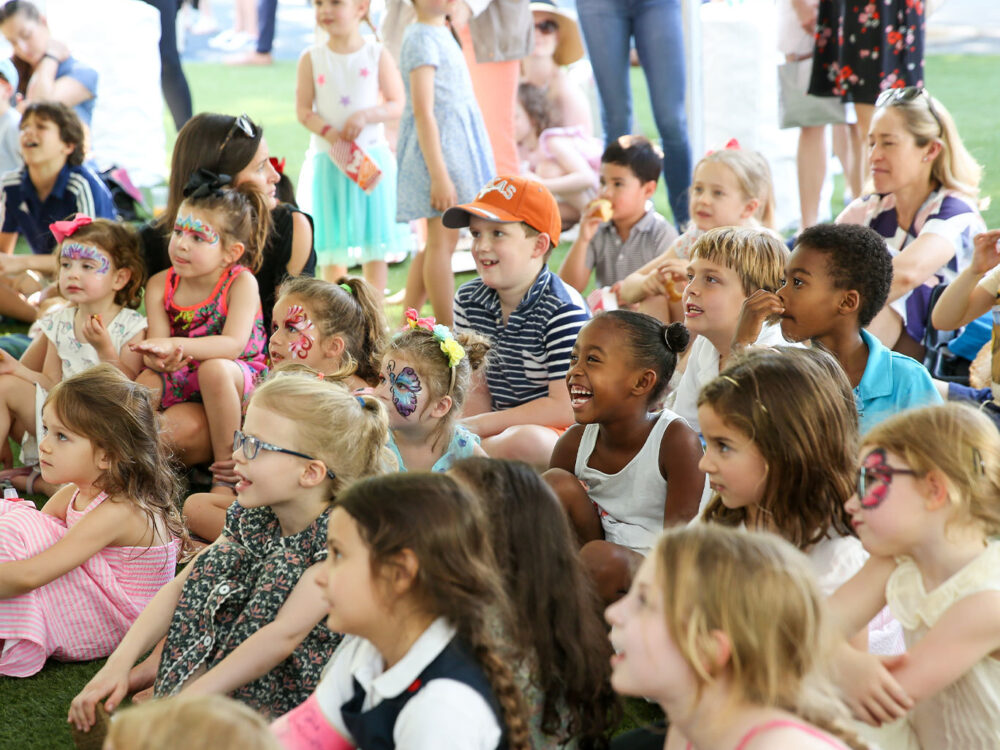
<point x="507" y="199"/>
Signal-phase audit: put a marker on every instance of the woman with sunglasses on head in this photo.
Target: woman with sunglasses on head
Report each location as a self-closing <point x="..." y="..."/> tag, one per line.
<point x="244" y="618"/>
<point x="923" y="202"/>
<point x="558" y="44"/>
<point x="926" y="510"/>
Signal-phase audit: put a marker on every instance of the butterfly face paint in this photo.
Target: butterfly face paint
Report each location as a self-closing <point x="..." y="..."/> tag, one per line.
<point x="195" y="227"/>
<point x="405" y="387"/>
<point x="874" y="478"/>
<point x="76" y="251"/>
<point x="297" y="320"/>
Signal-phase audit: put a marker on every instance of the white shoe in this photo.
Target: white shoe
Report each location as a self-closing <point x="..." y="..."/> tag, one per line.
<point x="204" y="25"/>
<point x="223" y="39"/>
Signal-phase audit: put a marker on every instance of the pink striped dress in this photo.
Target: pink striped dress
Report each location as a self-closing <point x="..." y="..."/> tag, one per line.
<point x="83" y="614"/>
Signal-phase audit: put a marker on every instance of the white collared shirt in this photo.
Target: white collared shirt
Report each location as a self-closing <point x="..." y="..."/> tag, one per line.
<point x="444" y="714"/>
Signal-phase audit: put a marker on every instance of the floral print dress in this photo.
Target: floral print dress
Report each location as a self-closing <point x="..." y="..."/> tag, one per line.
<point x="236" y="587"/>
<point x="863" y="48"/>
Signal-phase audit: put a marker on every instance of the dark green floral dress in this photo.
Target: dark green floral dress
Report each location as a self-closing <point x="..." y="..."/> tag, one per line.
<point x="236" y="588"/>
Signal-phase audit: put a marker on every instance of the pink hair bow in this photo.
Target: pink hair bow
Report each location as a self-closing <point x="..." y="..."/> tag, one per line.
<point x="278" y="164"/>
<point x="732" y="143"/>
<point x="417" y="322"/>
<point x="63" y="229"/>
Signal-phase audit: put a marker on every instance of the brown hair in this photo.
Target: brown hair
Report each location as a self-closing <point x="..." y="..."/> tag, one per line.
<point x="70" y="128"/>
<point x="194" y="722"/>
<point x="355" y="315"/>
<point x="758" y="591"/>
<point x="346" y="432"/>
<point x="960" y="442"/>
<point x="118" y="417"/>
<point x="757" y="257"/>
<point x="558" y="612"/>
<point x="120" y="241"/>
<point x="11" y="7"/>
<point x="422" y="348"/>
<point x="207" y="141"/>
<point x="241" y="214"/>
<point x="798" y="408"/>
<point x="536" y="106"/>
<point x="457" y="577"/>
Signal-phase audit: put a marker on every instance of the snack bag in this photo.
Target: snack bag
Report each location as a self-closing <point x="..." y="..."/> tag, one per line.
<point x="354" y="162"/>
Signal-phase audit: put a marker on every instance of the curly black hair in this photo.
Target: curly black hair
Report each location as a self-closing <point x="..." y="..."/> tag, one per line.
<point x="857" y="258"/>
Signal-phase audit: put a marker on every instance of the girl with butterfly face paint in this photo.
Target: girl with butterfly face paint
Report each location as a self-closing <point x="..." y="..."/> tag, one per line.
<point x="926" y="508"/>
<point x="423" y="381"/>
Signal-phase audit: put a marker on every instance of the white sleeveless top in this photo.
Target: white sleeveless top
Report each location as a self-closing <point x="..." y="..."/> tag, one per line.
<point x="343" y="85"/>
<point x="630" y="502"/>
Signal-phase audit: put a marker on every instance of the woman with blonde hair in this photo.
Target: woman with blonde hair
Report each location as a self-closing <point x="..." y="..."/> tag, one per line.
<point x="924" y="187"/>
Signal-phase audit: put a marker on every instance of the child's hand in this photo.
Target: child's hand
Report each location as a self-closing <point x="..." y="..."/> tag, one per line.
<point x="868" y="687"/>
<point x="8" y="364"/>
<point x="589" y="222"/>
<point x="224" y="471"/>
<point x="354" y="125"/>
<point x="57" y="49"/>
<point x="332" y="136"/>
<point x="757" y="308"/>
<point x="95" y="334"/>
<point x="13" y="265"/>
<point x="108" y="683"/>
<point x="986" y="251"/>
<point x="443" y="195"/>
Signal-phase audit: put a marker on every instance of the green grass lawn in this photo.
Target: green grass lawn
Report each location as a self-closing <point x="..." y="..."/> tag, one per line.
<point x="33" y="710"/>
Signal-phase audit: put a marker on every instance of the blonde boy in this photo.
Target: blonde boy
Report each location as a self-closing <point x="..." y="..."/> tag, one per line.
<point x="727" y="266"/>
<point x="531" y="316"/>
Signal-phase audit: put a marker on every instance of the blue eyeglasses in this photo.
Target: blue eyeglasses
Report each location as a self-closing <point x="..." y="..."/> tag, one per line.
<point x="252" y="446"/>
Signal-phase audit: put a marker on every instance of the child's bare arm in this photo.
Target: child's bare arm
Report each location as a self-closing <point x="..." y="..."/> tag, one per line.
<point x="861" y="597"/>
<point x="243" y="302"/>
<point x="95" y="531"/>
<point x="680" y="452"/>
<point x="553" y="410"/>
<point x="46" y="378"/>
<point x="963" y="300"/>
<point x="574" y="269"/>
<point x="443" y="194"/>
<point x="636" y="286"/>
<point x="566" y="448"/>
<point x="272" y="644"/>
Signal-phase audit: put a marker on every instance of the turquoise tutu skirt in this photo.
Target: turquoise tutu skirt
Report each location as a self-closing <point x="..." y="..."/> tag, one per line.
<point x="350" y="226"/>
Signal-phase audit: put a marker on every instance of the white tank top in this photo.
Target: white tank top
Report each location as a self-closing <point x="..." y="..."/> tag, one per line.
<point x="631" y="502"/>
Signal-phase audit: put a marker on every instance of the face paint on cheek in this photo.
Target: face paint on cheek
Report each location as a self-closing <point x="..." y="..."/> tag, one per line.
<point x="297" y="320"/>
<point x="874" y="485"/>
<point x="196" y="228"/>
<point x="404" y="388"/>
<point x="76" y="251"/>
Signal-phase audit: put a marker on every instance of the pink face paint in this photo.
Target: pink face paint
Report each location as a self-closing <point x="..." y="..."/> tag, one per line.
<point x="297" y="320"/>
<point x="196" y="228"/>
<point x="76" y="251"/>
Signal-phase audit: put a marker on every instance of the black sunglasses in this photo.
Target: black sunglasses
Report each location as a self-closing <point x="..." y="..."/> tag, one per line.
<point x="242" y="123"/>
<point x="874" y="478"/>
<point x="546" y="27"/>
<point x="252" y="446"/>
<point x="908" y="94"/>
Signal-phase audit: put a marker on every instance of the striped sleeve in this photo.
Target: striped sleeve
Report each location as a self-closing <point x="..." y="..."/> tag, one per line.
<point x="560" y="335"/>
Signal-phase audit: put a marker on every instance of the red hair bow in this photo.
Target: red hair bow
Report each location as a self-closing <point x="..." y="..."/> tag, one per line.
<point x="414" y="321"/>
<point x="63" y="229"/>
<point x="732" y="143"/>
<point x="278" y="164"/>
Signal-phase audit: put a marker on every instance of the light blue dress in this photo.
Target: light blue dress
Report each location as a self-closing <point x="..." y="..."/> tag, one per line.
<point x="462" y="445"/>
<point x="466" y="147"/>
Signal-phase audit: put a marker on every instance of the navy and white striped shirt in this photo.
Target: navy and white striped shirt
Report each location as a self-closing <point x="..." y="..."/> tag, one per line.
<point x="77" y="190"/>
<point x="534" y="347"/>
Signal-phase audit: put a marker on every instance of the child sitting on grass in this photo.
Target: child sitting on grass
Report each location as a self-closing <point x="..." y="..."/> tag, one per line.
<point x="531" y="316"/>
<point x="837" y="279"/>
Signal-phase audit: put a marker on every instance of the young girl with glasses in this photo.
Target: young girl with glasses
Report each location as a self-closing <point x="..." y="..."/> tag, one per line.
<point x="926" y="510"/>
<point x="243" y="618"/>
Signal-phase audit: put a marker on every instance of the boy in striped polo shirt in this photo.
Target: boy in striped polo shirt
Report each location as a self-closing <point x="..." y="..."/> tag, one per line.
<point x="531" y="316"/>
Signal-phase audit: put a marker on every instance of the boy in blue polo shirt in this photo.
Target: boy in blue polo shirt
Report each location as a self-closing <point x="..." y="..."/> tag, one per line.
<point x="53" y="184"/>
<point x="531" y="316"/>
<point x="837" y="279"/>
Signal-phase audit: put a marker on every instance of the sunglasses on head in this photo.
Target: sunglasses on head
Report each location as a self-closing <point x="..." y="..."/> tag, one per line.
<point x="874" y="477"/>
<point x="546" y="27"/>
<point x="908" y="94"/>
<point x="242" y="124"/>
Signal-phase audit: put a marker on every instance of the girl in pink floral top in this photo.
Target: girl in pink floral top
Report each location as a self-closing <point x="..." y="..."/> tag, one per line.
<point x="206" y="336"/>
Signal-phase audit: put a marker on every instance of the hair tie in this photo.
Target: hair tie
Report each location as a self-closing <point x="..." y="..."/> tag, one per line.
<point x="361" y="400"/>
<point x="204" y="182"/>
<point x="278" y="164"/>
<point x="346" y="287"/>
<point x="63" y="229"/>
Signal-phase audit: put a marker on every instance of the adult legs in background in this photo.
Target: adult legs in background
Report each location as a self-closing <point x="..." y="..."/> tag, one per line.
<point x="172" y="79"/>
<point x="659" y="40"/>
<point x="844" y="150"/>
<point x="865" y="112"/>
<point x="811" y="164"/>
<point x="439" y="281"/>
<point x="495" y="85"/>
<point x="267" y="11"/>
